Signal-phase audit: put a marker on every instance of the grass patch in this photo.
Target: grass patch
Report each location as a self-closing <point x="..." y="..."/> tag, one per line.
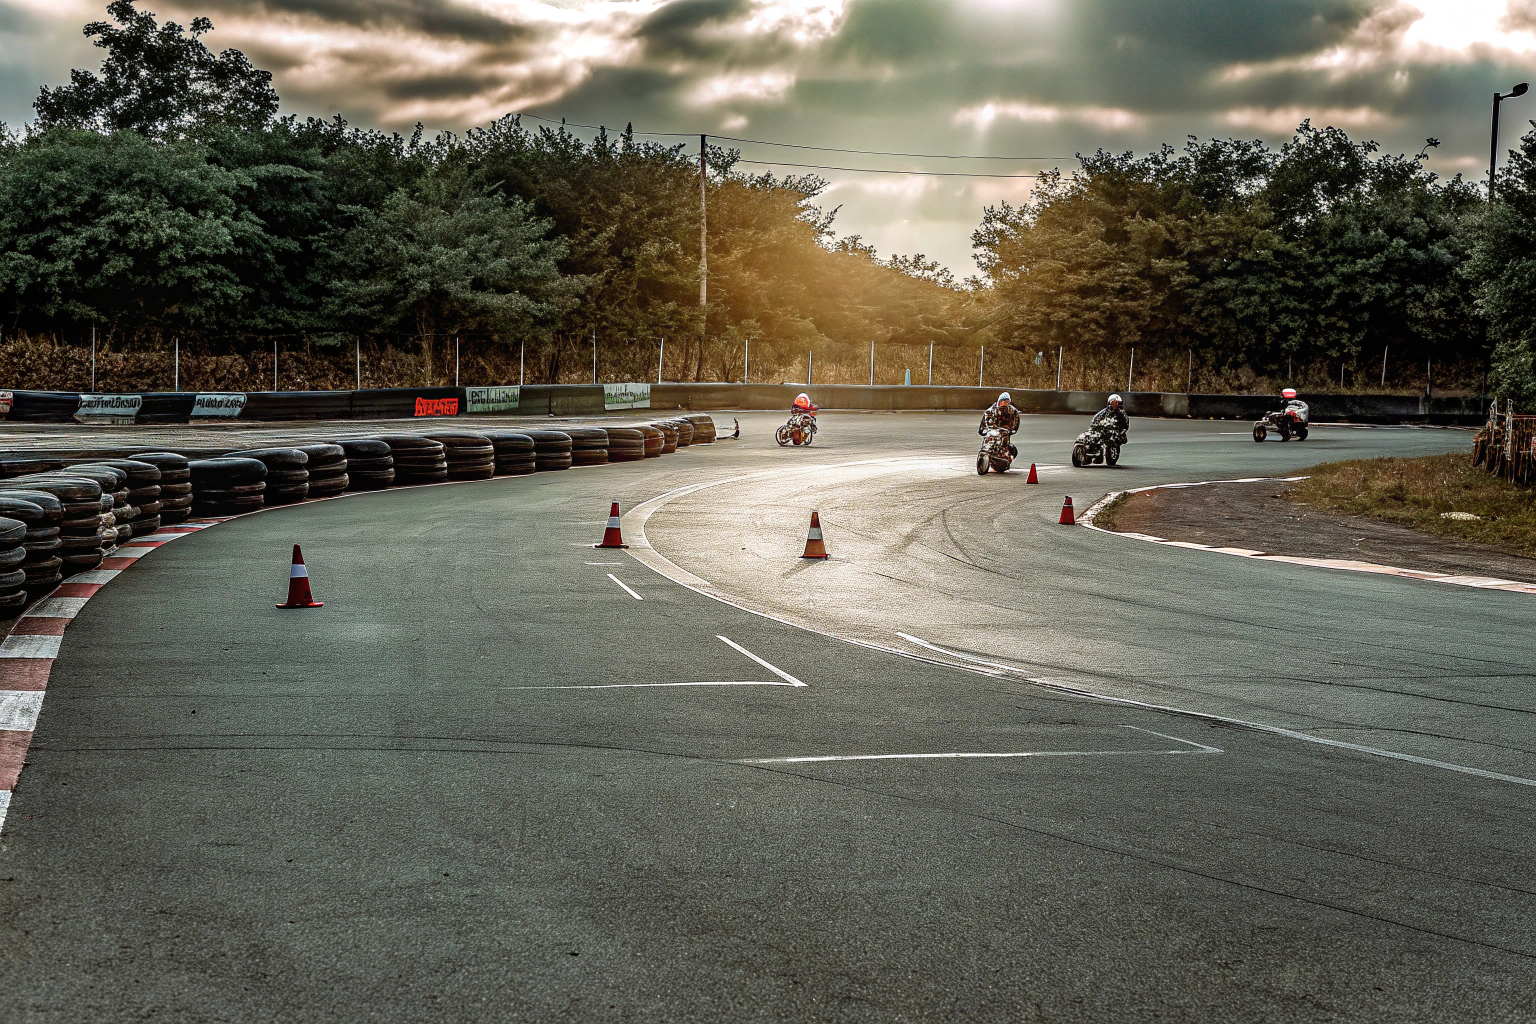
<point x="1105" y="519"/>
<point x="1415" y="492"/>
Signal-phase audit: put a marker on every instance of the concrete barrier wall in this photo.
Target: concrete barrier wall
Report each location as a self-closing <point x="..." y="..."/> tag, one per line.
<point x="587" y="400"/>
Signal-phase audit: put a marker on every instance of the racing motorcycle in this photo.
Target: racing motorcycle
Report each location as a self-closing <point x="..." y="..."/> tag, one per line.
<point x="1097" y="445"/>
<point x="799" y="430"/>
<point x="997" y="451"/>
<point x="1288" y="422"/>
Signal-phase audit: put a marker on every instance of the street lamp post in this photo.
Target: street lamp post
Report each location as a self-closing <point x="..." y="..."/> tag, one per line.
<point x="1493" y="145"/>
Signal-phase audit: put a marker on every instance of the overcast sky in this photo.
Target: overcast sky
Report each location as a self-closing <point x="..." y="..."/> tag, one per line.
<point x="1039" y="78"/>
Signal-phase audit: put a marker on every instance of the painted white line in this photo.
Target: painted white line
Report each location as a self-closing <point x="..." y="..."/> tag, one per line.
<point x="605" y="563"/>
<point x="638" y="686"/>
<point x="1273" y="730"/>
<point x="958" y="755"/>
<point x="27" y="646"/>
<point x="5" y="805"/>
<point x="130" y="552"/>
<point x="95" y="576"/>
<point x="771" y="668"/>
<point x="19" y="709"/>
<point x="1200" y="747"/>
<point x="620" y="582"/>
<point x="56" y="608"/>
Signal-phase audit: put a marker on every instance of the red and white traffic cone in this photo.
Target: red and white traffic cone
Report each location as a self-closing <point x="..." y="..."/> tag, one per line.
<point x="612" y="538"/>
<point x="1034" y="477"/>
<point x="298" y="584"/>
<point x="815" y="547"/>
<point x="1067" y="518"/>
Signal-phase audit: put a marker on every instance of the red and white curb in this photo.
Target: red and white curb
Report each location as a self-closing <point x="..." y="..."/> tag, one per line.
<point x="1344" y="564"/>
<point x="28" y="653"/>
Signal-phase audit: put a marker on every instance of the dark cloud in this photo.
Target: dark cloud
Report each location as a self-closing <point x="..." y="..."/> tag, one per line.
<point x="441" y="19"/>
<point x="897" y="31"/>
<point x="674" y="30"/>
<point x="1216" y="31"/>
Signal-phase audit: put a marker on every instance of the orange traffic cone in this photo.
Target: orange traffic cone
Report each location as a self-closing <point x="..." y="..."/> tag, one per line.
<point x="612" y="538"/>
<point x="1034" y="477"/>
<point x="1067" y="518"/>
<point x="814" y="547"/>
<point x="298" y="584"/>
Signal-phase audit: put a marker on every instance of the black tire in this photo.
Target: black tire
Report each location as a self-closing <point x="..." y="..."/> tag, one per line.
<point x="12" y="557"/>
<point x="28" y="512"/>
<point x="66" y="490"/>
<point x="982" y="464"/>
<point x="142" y="495"/>
<point x="53" y="508"/>
<point x="275" y="458"/>
<point x="13" y="579"/>
<point x="1259" y="432"/>
<point x="110" y="478"/>
<point x="175" y="490"/>
<point x="1285" y="432"/>
<point x="589" y="457"/>
<point x="41" y="550"/>
<point x="1111" y="454"/>
<point x="400" y="444"/>
<point x="625" y="455"/>
<point x="1079" y="456"/>
<point x="140" y="473"/>
<point x="145" y="526"/>
<point x="43" y="568"/>
<point x="14" y="601"/>
<point x="1301" y="433"/>
<point x="149" y="508"/>
<point x="174" y="517"/>
<point x="12" y="532"/>
<point x="14" y="464"/>
<point x="228" y="469"/>
<point x="82" y="561"/>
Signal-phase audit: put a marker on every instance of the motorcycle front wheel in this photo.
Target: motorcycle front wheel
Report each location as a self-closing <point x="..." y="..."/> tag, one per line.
<point x="1301" y="433"/>
<point x="782" y="436"/>
<point x="1111" y="454"/>
<point x="1079" y="456"/>
<point x="1259" y="433"/>
<point x="982" y="464"/>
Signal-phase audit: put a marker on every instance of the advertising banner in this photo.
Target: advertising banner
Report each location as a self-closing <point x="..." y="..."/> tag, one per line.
<point x="626" y="396"/>
<point x="7" y="399"/>
<point x="491" y="399"/>
<point x="108" y="408"/>
<point x="218" y="405"/>
<point x="437" y="407"/>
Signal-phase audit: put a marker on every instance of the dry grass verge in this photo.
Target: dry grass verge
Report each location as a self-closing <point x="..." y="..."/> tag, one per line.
<point x="1416" y="492"/>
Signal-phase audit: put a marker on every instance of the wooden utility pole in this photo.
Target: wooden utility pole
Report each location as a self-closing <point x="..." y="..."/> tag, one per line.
<point x="703" y="245"/>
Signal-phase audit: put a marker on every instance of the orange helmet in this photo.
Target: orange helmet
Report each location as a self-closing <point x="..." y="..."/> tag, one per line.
<point x="1288" y="393"/>
<point x="802" y="401"/>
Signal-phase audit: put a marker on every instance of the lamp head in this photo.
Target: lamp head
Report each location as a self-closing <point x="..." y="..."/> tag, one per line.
<point x="1520" y="90"/>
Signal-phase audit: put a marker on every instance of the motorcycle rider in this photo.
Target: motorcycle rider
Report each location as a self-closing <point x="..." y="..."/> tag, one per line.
<point x="804" y="406"/>
<point x="1112" y="417"/>
<point x="1001" y="413"/>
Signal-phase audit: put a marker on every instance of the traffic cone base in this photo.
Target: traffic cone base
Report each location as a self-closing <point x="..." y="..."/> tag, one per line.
<point x="815" y="547"/>
<point x="298" y="584"/>
<point x="1034" y="477"/>
<point x="1067" y="518"/>
<point x="612" y="537"/>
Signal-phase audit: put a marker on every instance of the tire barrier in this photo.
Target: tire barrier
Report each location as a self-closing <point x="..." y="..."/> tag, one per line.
<point x="287" y="477"/>
<point x="589" y="446"/>
<point x="669" y="435"/>
<point x="88" y="538"/>
<point x="626" y="444"/>
<point x="143" y="498"/>
<point x="14" y="553"/>
<point x="228" y="486"/>
<point x="175" y="485"/>
<point x="655" y="441"/>
<point x="87" y="530"/>
<point x="703" y="429"/>
<point x="42" y="562"/>
<point x="684" y="430"/>
<point x="470" y="456"/>
<point x="418" y="460"/>
<point x="327" y="468"/>
<point x="551" y="449"/>
<point x="18" y="464"/>
<point x="515" y="455"/>
<point x="370" y="465"/>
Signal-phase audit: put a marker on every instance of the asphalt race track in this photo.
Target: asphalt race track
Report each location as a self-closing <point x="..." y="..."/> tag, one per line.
<point x="504" y="776"/>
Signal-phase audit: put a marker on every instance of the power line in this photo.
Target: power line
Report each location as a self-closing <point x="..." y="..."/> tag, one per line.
<point x="880" y="170"/>
<point x="819" y="149"/>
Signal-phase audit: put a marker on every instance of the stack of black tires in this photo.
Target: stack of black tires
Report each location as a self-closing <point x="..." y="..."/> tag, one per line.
<point x="418" y="460"/>
<point x="13" y="552"/>
<point x="625" y="444"/>
<point x="327" y="468"/>
<point x="684" y="431"/>
<point x="143" y="497"/>
<point x="589" y="446"/>
<point x="43" y="568"/>
<point x="13" y="464"/>
<point x="655" y="440"/>
<point x="287" y="476"/>
<point x="551" y="449"/>
<point x="228" y="486"/>
<point x="514" y="452"/>
<point x="370" y="464"/>
<point x="669" y="435"/>
<point x="470" y="456"/>
<point x="112" y="516"/>
<point x="703" y="428"/>
<point x="87" y="528"/>
<point x="175" y="486"/>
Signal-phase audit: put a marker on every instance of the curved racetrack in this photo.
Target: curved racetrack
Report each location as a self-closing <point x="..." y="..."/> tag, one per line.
<point x="448" y="796"/>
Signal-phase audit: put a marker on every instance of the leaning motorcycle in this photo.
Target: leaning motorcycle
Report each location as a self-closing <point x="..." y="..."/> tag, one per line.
<point x="996" y="451"/>
<point x="1288" y="422"/>
<point x="799" y="430"/>
<point x="1096" y="446"/>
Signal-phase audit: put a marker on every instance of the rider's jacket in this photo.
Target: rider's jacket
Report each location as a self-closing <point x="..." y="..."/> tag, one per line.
<point x="1111" y="417"/>
<point x="1005" y="416"/>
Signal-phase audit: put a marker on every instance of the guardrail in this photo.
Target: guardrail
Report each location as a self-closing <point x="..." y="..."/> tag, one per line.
<point x="596" y="399"/>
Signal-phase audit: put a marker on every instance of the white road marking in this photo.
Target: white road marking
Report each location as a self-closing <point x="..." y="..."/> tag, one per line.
<point x="131" y="552"/>
<point x="1273" y="730"/>
<point x="605" y="563"/>
<point x="620" y="582"/>
<point x="19" y="709"/>
<point x="29" y="646"/>
<point x="771" y="668"/>
<point x="56" y="608"/>
<point x="635" y="686"/>
<point x="5" y="805"/>
<point x="95" y="576"/>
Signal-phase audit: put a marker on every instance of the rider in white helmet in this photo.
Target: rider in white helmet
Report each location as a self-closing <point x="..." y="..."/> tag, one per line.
<point x="1112" y="416"/>
<point x="1001" y="414"/>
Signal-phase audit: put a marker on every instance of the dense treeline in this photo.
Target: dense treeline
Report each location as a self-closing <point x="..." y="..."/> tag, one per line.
<point x="163" y="197"/>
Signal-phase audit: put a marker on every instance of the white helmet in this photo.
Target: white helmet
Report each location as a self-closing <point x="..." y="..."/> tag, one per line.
<point x="1288" y="393"/>
<point x="1116" y="400"/>
<point x="1004" y="397"/>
